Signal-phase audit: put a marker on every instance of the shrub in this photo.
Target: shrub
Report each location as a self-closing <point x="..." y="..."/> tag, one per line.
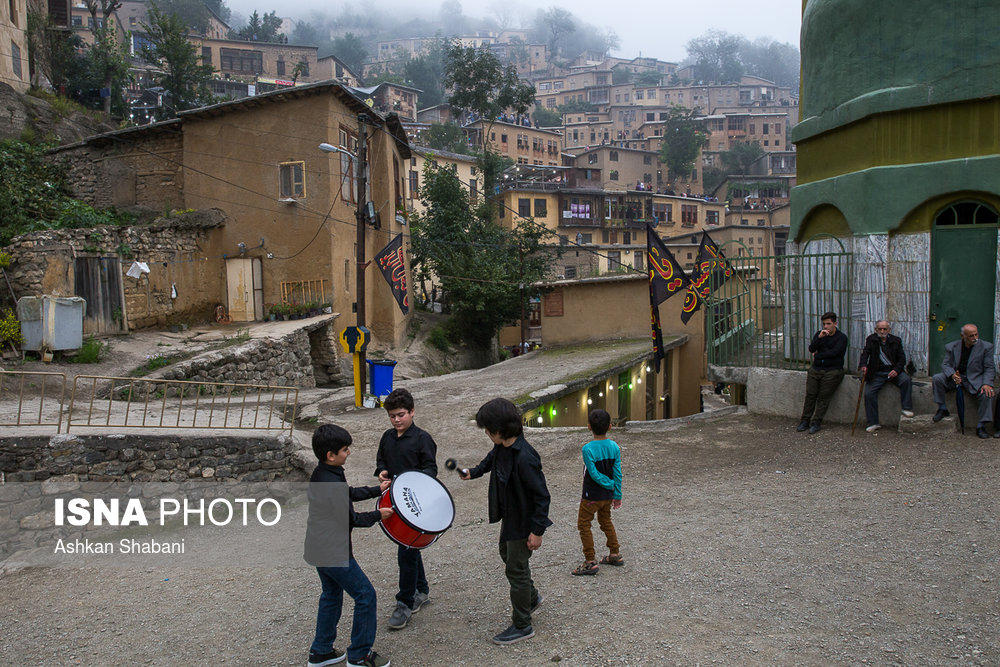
<point x="90" y="352"/>
<point x="438" y="338"/>
<point x="10" y="328"/>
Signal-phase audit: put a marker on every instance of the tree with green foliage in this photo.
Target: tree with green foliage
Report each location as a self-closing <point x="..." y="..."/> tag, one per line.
<point x="110" y="64"/>
<point x="183" y="76"/>
<point x="427" y="72"/>
<point x="480" y="83"/>
<point x="547" y="117"/>
<point x="740" y="156"/>
<point x="716" y="57"/>
<point x="480" y="265"/>
<point x="108" y="56"/>
<point x="56" y="56"/>
<point x="34" y="195"/>
<point x="447" y="137"/>
<point x="724" y="58"/>
<point x="576" y="106"/>
<point x="558" y="24"/>
<point x="261" y="29"/>
<point x="351" y="51"/>
<point x="684" y="136"/>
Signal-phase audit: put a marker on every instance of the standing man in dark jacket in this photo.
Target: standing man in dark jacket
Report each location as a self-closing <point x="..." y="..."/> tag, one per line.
<point x="882" y="360"/>
<point x="828" y="347"/>
<point x="519" y="499"/>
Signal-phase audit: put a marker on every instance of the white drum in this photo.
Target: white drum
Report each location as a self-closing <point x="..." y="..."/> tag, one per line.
<point x="423" y="509"/>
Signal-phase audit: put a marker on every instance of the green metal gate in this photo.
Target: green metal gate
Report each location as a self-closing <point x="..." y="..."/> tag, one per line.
<point x="766" y="313"/>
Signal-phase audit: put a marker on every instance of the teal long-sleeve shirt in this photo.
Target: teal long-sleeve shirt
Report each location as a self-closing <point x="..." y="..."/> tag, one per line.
<point x="602" y="478"/>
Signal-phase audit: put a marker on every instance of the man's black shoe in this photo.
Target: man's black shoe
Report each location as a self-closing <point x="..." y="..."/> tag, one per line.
<point x="814" y="428"/>
<point x="939" y="415"/>
<point x="996" y="432"/>
<point x="803" y="425"/>
<point x="981" y="432"/>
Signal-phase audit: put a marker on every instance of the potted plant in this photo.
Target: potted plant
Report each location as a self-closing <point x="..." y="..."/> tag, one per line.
<point x="326" y="307"/>
<point x="280" y="310"/>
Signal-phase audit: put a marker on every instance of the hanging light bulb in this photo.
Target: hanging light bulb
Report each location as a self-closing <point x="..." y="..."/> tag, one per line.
<point x="638" y="380"/>
<point x="649" y="369"/>
<point x="539" y="419"/>
<point x="600" y="394"/>
<point x="590" y="401"/>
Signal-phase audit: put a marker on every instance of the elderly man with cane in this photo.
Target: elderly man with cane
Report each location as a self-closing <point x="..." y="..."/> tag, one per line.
<point x="882" y="360"/>
<point x="967" y="366"/>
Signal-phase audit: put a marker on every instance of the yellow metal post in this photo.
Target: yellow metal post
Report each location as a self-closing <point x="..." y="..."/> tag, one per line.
<point x="355" y="341"/>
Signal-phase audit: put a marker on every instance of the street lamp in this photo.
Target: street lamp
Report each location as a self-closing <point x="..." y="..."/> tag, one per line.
<point x="330" y="148"/>
<point x="359" y="215"/>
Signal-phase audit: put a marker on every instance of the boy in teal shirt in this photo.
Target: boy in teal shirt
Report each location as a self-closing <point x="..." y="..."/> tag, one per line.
<point x="602" y="491"/>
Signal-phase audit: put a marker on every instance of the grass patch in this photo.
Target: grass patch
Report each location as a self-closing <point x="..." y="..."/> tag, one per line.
<point x="90" y="352"/>
<point x="157" y="361"/>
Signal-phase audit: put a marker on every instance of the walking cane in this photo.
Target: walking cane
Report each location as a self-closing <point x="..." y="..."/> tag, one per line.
<point x="857" y="406"/>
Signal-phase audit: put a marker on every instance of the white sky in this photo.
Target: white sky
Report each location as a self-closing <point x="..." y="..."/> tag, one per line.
<point x="656" y="28"/>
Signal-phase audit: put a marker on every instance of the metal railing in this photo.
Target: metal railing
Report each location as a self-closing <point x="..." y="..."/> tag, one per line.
<point x="34" y="398"/>
<point x="158" y="403"/>
<point x="107" y="402"/>
<point x="766" y="313"/>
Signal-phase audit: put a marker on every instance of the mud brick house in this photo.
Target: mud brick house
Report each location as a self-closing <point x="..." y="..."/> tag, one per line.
<point x="285" y="227"/>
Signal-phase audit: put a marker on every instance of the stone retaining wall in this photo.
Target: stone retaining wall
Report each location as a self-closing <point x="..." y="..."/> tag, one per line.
<point x="34" y="469"/>
<point x="283" y="361"/>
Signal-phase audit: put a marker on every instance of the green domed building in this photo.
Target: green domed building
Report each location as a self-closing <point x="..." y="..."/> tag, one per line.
<point x="899" y="159"/>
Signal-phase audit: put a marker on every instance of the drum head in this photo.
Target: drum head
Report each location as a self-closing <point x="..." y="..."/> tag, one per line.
<point x="422" y="502"/>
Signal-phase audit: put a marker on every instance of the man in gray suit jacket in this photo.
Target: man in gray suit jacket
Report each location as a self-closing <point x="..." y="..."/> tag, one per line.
<point x="968" y="363"/>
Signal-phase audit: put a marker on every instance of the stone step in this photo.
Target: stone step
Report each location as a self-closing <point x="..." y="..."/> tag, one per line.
<point x="924" y="423"/>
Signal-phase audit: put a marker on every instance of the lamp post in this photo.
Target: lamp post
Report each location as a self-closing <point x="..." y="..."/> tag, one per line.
<point x="359" y="214"/>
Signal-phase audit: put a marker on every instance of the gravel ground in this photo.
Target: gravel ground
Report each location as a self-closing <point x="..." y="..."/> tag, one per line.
<point x="745" y="543"/>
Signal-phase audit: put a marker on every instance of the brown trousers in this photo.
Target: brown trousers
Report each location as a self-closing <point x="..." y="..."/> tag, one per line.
<point x="602" y="508"/>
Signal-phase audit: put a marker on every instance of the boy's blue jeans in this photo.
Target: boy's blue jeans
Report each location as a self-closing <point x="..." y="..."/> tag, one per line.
<point x="337" y="580"/>
<point x="411" y="575"/>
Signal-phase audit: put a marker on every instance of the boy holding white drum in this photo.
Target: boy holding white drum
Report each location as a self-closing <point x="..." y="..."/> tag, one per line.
<point x="519" y="499"/>
<point x="405" y="447"/>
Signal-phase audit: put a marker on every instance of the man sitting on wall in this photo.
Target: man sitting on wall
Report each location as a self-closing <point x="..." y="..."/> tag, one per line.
<point x="968" y="363"/>
<point x="882" y="360"/>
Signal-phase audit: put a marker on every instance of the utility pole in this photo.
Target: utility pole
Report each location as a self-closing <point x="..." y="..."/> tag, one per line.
<point x="360" y="241"/>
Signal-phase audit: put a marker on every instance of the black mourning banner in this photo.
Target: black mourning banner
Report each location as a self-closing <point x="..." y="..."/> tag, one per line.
<point x="390" y="261"/>
<point x="711" y="270"/>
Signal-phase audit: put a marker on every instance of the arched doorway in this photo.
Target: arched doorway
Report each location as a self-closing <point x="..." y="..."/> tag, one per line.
<point x="963" y="274"/>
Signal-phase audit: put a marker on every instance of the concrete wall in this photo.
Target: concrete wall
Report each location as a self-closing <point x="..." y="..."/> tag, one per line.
<point x="780" y="393"/>
<point x="37" y="469"/>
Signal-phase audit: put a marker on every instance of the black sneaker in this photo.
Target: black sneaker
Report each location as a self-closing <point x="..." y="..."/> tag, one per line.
<point x="803" y="425"/>
<point x="323" y="659"/>
<point x="373" y="659"/>
<point x="513" y="635"/>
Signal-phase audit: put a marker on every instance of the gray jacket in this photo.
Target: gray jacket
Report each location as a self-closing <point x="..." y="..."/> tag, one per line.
<point x="980" y="370"/>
